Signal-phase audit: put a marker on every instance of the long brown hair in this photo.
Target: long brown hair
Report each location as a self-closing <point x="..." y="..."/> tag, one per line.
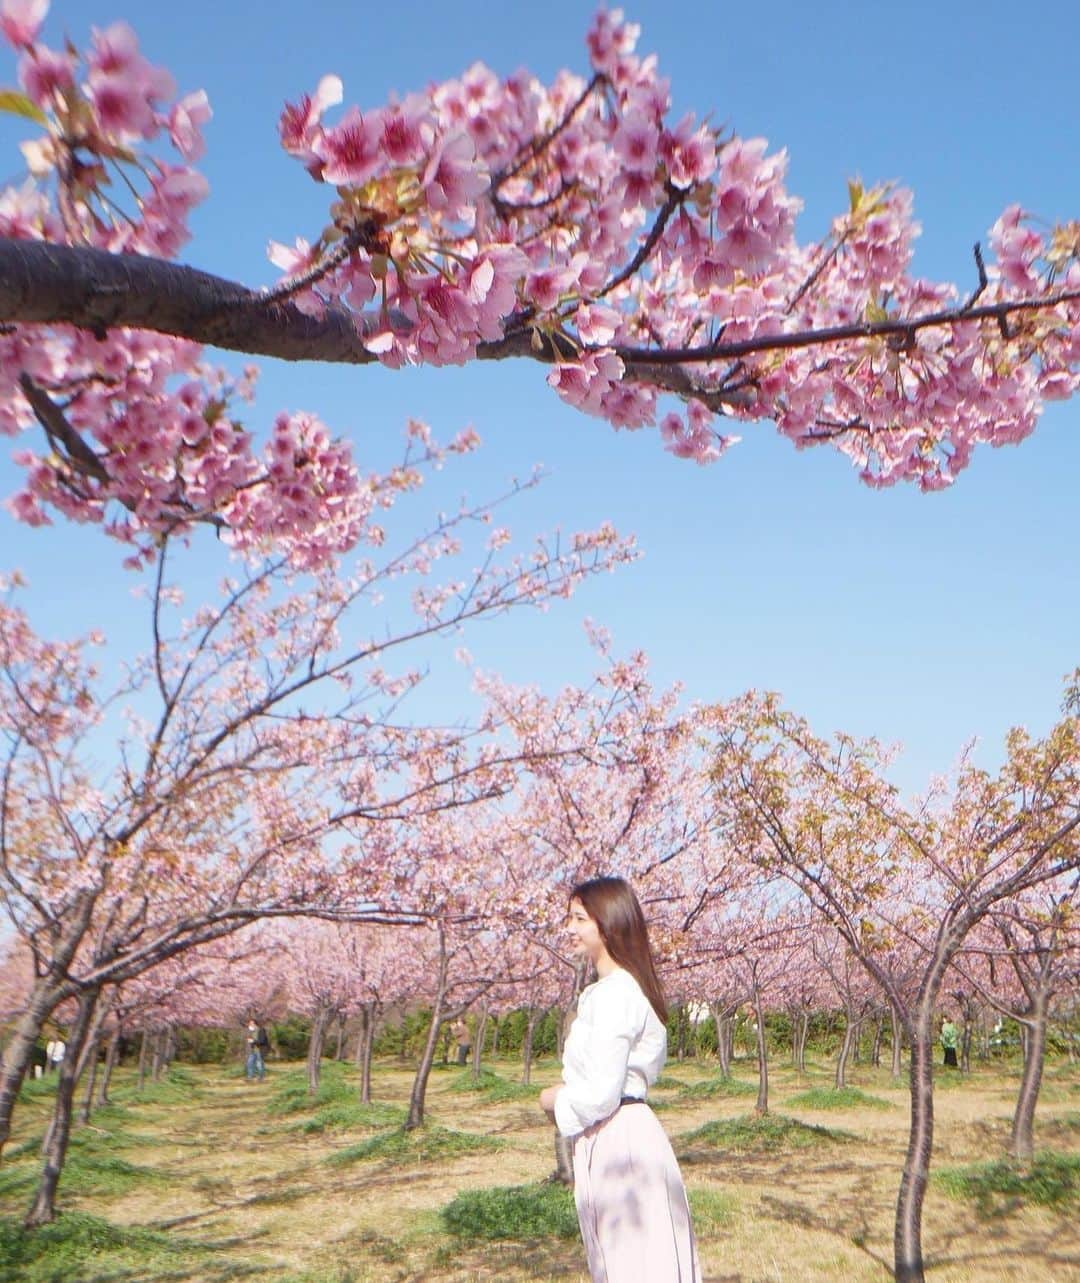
<point x="613" y="906"/>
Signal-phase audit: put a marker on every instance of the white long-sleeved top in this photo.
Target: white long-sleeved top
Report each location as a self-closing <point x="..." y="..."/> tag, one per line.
<point x="616" y="1047"/>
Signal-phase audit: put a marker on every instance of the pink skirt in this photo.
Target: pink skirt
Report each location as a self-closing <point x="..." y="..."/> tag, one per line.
<point x="631" y="1202"/>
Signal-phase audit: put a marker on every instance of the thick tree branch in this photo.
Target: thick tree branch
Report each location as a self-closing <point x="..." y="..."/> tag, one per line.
<point x="45" y="283"/>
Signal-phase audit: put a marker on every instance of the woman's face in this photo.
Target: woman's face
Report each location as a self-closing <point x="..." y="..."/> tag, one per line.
<point x="585" y="937"/>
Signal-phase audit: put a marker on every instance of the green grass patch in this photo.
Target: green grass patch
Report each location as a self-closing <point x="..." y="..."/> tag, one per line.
<point x="712" y="1210"/>
<point x="667" y="1083"/>
<point x="519" y="1212"/>
<point x="291" y="1095"/>
<point x="177" y="1086"/>
<point x="38" y="1088"/>
<point x="77" y="1246"/>
<point x="18" y="1178"/>
<point x="89" y="1169"/>
<point x="718" y="1087"/>
<point x="1064" y="1123"/>
<point x="492" y="1086"/>
<point x="420" y="1145"/>
<point x="1052" y="1180"/>
<point x="836" y="1098"/>
<point x="525" y="1213"/>
<point x="762" y="1134"/>
<point x="30" y="1146"/>
<point x="341" y="1115"/>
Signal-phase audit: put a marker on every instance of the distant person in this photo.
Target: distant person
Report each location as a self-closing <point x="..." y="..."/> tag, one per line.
<point x="949" y="1037"/>
<point x="255" y="1066"/>
<point x="463" y="1038"/>
<point x="55" y="1051"/>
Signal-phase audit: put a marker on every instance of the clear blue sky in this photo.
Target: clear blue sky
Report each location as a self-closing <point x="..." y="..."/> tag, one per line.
<point x="923" y="619"/>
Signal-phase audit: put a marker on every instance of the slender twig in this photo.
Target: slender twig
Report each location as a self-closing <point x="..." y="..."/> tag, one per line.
<point x="674" y="200"/>
<point x="999" y="312"/>
<point x="358" y="237"/>
<point x="541" y="144"/>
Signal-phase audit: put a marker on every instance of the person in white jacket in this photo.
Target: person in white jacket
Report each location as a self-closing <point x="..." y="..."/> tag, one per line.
<point x="631" y="1201"/>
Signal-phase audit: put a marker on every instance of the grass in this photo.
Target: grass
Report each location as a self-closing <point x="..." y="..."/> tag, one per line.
<point x="79" y="1247"/>
<point x="420" y="1145"/>
<point x="519" y="1212"/>
<point x="837" y="1098"/>
<point x="1052" y="1180"/>
<point x="38" y="1088"/>
<point x="291" y="1095"/>
<point x="342" y="1115"/>
<point x="528" y="1212"/>
<point x="766" y="1133"/>
<point x="97" y="1175"/>
<point x="492" y="1086"/>
<point x="177" y="1086"/>
<point x="718" y="1087"/>
<point x="712" y="1210"/>
<point x="770" y="1197"/>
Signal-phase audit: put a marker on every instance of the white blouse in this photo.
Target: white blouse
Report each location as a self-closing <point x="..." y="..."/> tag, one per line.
<point x="616" y="1047"/>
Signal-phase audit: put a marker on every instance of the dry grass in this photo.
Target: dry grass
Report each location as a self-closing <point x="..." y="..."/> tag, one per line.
<point x="253" y="1197"/>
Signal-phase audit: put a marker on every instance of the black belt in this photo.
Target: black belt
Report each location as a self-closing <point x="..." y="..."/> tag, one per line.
<point x="631" y="1100"/>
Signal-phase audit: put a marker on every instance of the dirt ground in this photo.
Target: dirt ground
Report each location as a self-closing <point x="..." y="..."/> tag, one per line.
<point x="233" y="1175"/>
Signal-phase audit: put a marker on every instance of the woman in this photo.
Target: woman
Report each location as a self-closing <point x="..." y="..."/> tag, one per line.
<point x="631" y="1202"/>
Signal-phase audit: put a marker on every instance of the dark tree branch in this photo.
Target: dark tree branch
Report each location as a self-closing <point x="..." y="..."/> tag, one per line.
<point x="45" y="283"/>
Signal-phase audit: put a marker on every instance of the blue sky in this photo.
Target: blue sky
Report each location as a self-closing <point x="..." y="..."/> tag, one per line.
<point x="922" y="619"/>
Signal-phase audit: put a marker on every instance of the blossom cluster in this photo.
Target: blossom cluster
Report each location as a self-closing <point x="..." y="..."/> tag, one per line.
<point x="642" y="258"/>
<point x="162" y="446"/>
<point x="581" y="218"/>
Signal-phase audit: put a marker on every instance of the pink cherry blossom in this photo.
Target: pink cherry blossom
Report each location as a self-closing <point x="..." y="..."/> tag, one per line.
<point x="20" y="20"/>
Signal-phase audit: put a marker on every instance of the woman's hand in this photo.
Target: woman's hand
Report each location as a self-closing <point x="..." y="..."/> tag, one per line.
<point x="547" y="1101"/>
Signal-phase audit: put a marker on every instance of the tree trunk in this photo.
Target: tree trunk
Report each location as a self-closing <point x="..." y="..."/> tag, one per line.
<point x="875" y="1054"/>
<point x="723" y="1045"/>
<point x="43" y="1208"/>
<point x="897" y="1043"/>
<point x="496" y="1027"/>
<point x="19" y="1049"/>
<point x="965" y="1048"/>
<point x="681" y="1023"/>
<point x="423" y="1071"/>
<point x="160" y="1036"/>
<point x="110" y="1064"/>
<point x="478" y="1042"/>
<point x="564" y="1159"/>
<point x="850" y="1037"/>
<point x="90" y="1061"/>
<point x="419" y="1088"/>
<point x="762" y="1106"/>
<point x="315" y="1047"/>
<point x="1022" y="1140"/>
<point x="339" y="1054"/>
<point x="527" y="1045"/>
<point x="369" y="1047"/>
<point x="804" y="1033"/>
<point x="48" y="992"/>
<point x="856" y="1042"/>
<point x="143" y="1049"/>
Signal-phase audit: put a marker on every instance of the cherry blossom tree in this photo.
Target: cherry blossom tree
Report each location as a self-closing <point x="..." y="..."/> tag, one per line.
<point x="822" y="815"/>
<point x="1033" y="937"/>
<point x="250" y="732"/>
<point x="651" y="264"/>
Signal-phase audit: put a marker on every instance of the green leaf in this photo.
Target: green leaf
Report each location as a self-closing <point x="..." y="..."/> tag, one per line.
<point x="855" y="193"/>
<point x="19" y="105"/>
